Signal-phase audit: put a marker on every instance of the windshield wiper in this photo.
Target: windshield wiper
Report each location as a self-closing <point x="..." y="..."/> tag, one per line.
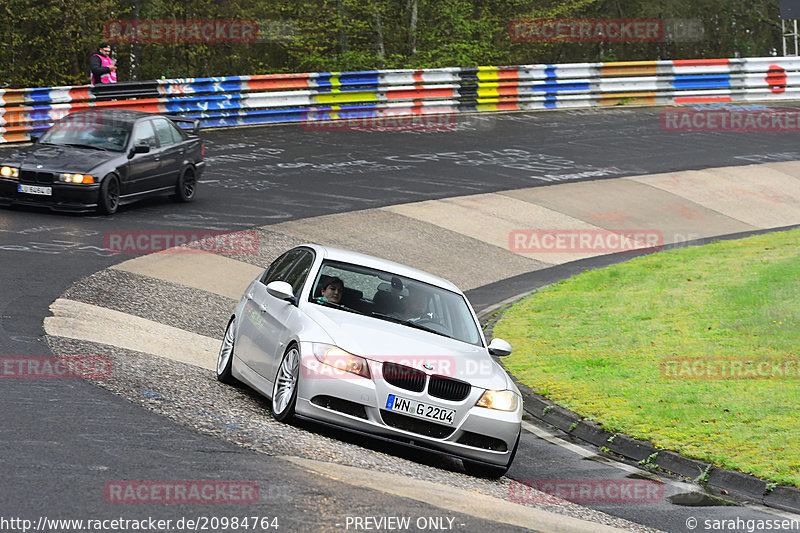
<point x="323" y="301"/>
<point x="410" y="323"/>
<point x="78" y="145"/>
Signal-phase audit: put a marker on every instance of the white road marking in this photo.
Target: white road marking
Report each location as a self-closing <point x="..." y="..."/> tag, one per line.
<point x="92" y="323"/>
<point x="453" y="499"/>
<point x="206" y="271"/>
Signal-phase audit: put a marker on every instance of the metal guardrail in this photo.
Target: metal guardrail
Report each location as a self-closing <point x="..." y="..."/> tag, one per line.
<point x="309" y="97"/>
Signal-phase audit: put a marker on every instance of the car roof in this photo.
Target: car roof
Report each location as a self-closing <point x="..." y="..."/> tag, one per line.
<point x="348" y="256"/>
<point x="121" y="115"/>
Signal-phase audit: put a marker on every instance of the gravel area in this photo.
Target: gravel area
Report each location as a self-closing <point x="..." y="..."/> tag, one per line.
<point x="167" y="303"/>
<point x="193" y="397"/>
<point x="267" y="246"/>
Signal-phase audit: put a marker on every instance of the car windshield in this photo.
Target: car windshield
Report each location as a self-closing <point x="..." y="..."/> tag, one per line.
<point x="88" y="130"/>
<point x="395" y="298"/>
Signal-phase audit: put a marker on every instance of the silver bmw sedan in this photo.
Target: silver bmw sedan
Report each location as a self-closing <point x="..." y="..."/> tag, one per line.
<point x="375" y="347"/>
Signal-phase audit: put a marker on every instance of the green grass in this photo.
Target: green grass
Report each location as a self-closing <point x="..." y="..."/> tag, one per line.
<point x="596" y="344"/>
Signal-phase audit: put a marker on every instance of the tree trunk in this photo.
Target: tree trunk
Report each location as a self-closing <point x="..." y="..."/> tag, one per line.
<point x="133" y="71"/>
<point x="379" y="49"/>
<point x="341" y="21"/>
<point x="412" y="27"/>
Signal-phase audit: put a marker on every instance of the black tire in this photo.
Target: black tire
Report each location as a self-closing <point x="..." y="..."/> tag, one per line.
<point x="284" y="391"/>
<point x="108" y="198"/>
<point x="186" y="186"/>
<point x="225" y="357"/>
<point x="489" y="471"/>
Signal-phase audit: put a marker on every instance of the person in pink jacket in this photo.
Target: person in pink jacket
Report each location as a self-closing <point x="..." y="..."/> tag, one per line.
<point x="102" y="66"/>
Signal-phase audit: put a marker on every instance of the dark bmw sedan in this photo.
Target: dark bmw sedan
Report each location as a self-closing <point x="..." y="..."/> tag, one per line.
<point x="101" y="159"/>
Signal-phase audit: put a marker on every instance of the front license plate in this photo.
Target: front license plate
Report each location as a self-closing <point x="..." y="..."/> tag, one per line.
<point x="33" y="189"/>
<point x="421" y="410"/>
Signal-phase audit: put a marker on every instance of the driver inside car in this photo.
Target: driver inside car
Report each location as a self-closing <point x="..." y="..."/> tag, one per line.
<point x="415" y="305"/>
<point x="331" y="289"/>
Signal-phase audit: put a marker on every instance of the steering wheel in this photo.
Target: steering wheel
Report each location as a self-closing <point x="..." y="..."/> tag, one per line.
<point x="433" y="324"/>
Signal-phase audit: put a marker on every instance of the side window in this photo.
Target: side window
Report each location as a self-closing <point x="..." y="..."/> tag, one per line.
<point x="143" y="134"/>
<point x="165" y="131"/>
<point x="177" y="134"/>
<point x="281" y="267"/>
<point x="299" y="272"/>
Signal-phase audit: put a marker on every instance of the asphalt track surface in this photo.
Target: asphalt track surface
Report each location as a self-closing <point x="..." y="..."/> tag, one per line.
<point x="63" y="439"/>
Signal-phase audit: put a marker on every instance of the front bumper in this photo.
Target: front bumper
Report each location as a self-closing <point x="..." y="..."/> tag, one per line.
<point x="74" y="198"/>
<point x="358" y="403"/>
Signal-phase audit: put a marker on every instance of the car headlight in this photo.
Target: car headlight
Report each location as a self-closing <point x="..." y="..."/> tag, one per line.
<point x="75" y="178"/>
<point x="9" y="172"/>
<point x="340" y="359"/>
<point x="502" y="400"/>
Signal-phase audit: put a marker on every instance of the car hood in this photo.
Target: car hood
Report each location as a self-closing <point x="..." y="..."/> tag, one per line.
<point x="381" y="340"/>
<point x="61" y="158"/>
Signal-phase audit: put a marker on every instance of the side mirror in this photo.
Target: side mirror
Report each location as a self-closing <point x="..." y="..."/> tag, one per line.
<point x="34" y="137"/>
<point x="281" y="290"/>
<point x="138" y="149"/>
<point x="499" y="347"/>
